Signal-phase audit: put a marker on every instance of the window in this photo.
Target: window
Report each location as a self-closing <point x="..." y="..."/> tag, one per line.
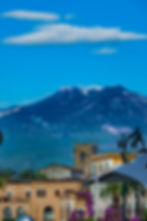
<point x="94" y="149"/>
<point x="9" y="194"/>
<point x="7" y="213"/>
<point x="28" y="194"/>
<point x="107" y="164"/>
<point x="48" y="214"/>
<point x="69" y="191"/>
<point x="93" y="169"/>
<point x="41" y="193"/>
<point x="20" y="211"/>
<point x="57" y="192"/>
<point x="83" y="157"/>
<point x="100" y="167"/>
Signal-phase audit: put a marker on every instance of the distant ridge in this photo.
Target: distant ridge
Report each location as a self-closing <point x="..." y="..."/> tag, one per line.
<point x="45" y="131"/>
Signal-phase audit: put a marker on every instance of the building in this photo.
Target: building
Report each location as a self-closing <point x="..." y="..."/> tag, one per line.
<point x="82" y="154"/>
<point x="93" y="163"/>
<point x="103" y="163"/>
<point x="44" y="200"/>
<point x="54" y="198"/>
<point x="56" y="171"/>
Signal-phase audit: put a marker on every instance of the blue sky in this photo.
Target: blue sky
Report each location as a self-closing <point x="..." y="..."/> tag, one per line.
<point x="48" y="44"/>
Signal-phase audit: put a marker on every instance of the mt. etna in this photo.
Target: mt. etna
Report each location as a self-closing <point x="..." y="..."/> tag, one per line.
<point x="45" y="132"/>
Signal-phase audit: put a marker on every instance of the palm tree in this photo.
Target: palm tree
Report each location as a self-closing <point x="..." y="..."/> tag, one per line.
<point x="134" y="139"/>
<point x="111" y="189"/>
<point x="144" y="216"/>
<point x="118" y="189"/>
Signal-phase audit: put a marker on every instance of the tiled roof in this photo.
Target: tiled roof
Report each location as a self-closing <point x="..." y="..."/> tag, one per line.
<point x="61" y="166"/>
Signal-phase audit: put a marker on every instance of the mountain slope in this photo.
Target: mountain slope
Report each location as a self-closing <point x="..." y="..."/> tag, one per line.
<point x="49" y="127"/>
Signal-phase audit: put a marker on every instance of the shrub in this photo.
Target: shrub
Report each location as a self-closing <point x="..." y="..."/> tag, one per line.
<point x="9" y="219"/>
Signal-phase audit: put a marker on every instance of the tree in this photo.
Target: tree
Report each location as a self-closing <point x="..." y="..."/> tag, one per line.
<point x="111" y="189"/>
<point x="29" y="174"/>
<point x="1" y="182"/>
<point x="134" y="139"/>
<point x="9" y="219"/>
<point x="1" y="137"/>
<point x="118" y="188"/>
<point x="144" y="216"/>
<point x="39" y="176"/>
<point x="4" y="176"/>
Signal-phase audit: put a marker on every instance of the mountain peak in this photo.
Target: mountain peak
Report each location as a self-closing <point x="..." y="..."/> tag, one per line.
<point x="52" y="125"/>
<point x="81" y="89"/>
<point x="117" y="88"/>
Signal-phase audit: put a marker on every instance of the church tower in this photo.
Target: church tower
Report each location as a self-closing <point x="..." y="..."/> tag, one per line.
<point x="83" y="153"/>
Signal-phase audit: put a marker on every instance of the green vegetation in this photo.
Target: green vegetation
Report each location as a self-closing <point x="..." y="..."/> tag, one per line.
<point x="117" y="188"/>
<point x="4" y="176"/>
<point x="9" y="219"/>
<point x="144" y="216"/>
<point x="123" y="190"/>
<point x="1" y="182"/>
<point x="28" y="174"/>
<point x="111" y="189"/>
<point x="40" y="176"/>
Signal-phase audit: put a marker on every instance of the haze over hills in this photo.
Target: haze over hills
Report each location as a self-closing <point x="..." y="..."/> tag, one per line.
<point x="44" y="132"/>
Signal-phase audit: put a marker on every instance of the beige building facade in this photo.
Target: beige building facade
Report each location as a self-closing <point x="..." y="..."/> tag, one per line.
<point x="56" y="197"/>
<point x="43" y="200"/>
<point x="93" y="163"/>
<point x="103" y="163"/>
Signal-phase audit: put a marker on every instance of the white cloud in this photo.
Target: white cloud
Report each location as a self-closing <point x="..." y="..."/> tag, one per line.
<point x="31" y="15"/>
<point x="66" y="34"/>
<point x="105" y="51"/>
<point x="69" y="16"/>
<point x="115" y="130"/>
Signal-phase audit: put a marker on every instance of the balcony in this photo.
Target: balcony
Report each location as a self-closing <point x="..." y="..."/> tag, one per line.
<point x="13" y="199"/>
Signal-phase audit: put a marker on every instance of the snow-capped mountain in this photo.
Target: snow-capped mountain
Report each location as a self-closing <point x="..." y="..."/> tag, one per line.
<point x="50" y="127"/>
<point x="9" y="111"/>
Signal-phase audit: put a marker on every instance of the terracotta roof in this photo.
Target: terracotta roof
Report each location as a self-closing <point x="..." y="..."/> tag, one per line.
<point x="62" y="166"/>
<point x="115" y="156"/>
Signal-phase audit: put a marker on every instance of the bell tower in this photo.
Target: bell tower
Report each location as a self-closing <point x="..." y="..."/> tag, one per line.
<point x="83" y="153"/>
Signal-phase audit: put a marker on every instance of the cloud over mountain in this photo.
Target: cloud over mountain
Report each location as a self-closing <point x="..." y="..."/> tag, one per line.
<point x="115" y="130"/>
